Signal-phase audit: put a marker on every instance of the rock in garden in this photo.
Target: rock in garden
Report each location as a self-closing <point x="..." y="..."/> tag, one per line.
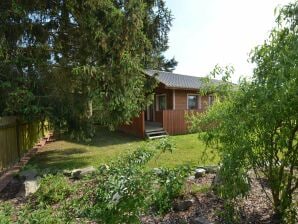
<point x="67" y="173"/>
<point x="211" y="169"/>
<point x="157" y="171"/>
<point x="80" y="173"/>
<point x="199" y="220"/>
<point x="180" y="206"/>
<point x="31" y="186"/>
<point x="190" y="178"/>
<point x="200" y="172"/>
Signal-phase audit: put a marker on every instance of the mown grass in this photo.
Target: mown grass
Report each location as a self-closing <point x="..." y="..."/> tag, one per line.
<point x="107" y="146"/>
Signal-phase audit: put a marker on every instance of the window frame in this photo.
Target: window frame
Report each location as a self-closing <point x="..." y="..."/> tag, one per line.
<point x="157" y="101"/>
<point x="198" y="101"/>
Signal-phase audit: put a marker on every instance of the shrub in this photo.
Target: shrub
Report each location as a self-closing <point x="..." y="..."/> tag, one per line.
<point x="169" y="183"/>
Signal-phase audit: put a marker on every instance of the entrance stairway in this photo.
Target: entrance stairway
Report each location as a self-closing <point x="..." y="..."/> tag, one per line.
<point x="156" y="134"/>
<point x="154" y="130"/>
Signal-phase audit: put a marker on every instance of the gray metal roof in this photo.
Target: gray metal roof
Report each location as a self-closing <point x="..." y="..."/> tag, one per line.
<point x="173" y="80"/>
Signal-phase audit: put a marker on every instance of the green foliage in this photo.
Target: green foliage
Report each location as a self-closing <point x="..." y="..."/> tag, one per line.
<point x="125" y="190"/>
<point x="165" y="145"/>
<point x="27" y="214"/>
<point x="255" y="125"/>
<point x="39" y="216"/>
<point x="121" y="194"/>
<point x="5" y="212"/>
<point x="53" y="189"/>
<point x="170" y="184"/>
<point x="46" y="71"/>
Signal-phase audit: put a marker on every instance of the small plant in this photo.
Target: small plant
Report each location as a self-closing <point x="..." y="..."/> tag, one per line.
<point x="53" y="188"/>
<point x="165" y="145"/>
<point x="170" y="183"/>
<point x="5" y="213"/>
<point x="121" y="193"/>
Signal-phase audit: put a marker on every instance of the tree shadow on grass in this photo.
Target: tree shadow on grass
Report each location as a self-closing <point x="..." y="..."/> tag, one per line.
<point x="58" y="160"/>
<point x="104" y="137"/>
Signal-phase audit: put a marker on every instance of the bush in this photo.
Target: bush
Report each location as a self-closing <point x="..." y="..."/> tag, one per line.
<point x="125" y="190"/>
<point x="169" y="183"/>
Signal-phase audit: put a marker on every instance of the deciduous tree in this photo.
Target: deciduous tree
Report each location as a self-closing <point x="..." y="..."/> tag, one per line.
<point x="255" y="126"/>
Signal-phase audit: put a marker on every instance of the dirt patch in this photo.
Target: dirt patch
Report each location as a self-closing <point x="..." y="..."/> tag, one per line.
<point x="12" y="189"/>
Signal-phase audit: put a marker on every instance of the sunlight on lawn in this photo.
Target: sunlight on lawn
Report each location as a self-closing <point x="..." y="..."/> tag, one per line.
<point x="107" y="146"/>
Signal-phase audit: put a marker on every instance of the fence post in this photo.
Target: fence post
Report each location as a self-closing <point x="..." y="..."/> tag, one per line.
<point x="18" y="137"/>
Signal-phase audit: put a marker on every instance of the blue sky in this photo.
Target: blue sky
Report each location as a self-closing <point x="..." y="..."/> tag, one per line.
<point x="210" y="32"/>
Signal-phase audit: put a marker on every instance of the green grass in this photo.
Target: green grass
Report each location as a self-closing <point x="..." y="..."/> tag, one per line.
<point x="189" y="150"/>
<point x="106" y="146"/>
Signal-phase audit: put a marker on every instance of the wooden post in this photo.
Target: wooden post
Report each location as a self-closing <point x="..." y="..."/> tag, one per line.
<point x="18" y="138"/>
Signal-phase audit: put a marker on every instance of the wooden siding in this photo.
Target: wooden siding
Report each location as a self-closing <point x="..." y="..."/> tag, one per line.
<point x="136" y="127"/>
<point x="181" y="99"/>
<point x="158" y="116"/>
<point x="174" y="121"/>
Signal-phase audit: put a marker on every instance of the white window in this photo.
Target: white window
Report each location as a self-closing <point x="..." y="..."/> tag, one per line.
<point x="192" y="102"/>
<point x="161" y="102"/>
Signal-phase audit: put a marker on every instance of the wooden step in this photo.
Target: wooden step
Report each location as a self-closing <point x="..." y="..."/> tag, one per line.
<point x="155" y="131"/>
<point x="158" y="136"/>
<point x="160" y="133"/>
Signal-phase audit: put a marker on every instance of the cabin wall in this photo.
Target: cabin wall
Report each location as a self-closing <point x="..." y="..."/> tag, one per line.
<point x="136" y="127"/>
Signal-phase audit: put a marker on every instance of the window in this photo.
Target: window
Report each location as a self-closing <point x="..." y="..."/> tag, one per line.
<point x="161" y="102"/>
<point x="192" y="102"/>
<point x="211" y="100"/>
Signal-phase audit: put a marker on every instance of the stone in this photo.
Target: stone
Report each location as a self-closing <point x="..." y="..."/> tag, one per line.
<point x="180" y="206"/>
<point x="67" y="173"/>
<point x="80" y="173"/>
<point x="157" y="171"/>
<point x="200" y="173"/>
<point x="29" y="186"/>
<point x="190" y="178"/>
<point x="199" y="220"/>
<point x="210" y="169"/>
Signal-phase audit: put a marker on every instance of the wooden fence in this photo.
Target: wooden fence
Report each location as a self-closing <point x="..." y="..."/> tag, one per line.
<point x="16" y="138"/>
<point x="174" y="121"/>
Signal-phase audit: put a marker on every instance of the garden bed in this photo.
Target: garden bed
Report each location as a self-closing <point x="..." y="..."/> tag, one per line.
<point x="254" y="209"/>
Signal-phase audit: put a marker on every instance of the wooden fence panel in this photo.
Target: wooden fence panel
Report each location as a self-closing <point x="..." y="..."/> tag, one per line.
<point x="16" y="139"/>
<point x="174" y="121"/>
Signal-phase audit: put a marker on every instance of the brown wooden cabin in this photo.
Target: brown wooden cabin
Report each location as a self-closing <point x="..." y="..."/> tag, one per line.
<point x="175" y="96"/>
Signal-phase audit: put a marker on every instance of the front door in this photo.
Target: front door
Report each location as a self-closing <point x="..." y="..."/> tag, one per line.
<point x="149" y="113"/>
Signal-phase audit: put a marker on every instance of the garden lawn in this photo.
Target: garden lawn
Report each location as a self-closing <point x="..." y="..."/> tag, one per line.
<point x="106" y="146"/>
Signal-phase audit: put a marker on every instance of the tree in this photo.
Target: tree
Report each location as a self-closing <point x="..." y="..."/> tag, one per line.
<point x="58" y="56"/>
<point x="255" y="126"/>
